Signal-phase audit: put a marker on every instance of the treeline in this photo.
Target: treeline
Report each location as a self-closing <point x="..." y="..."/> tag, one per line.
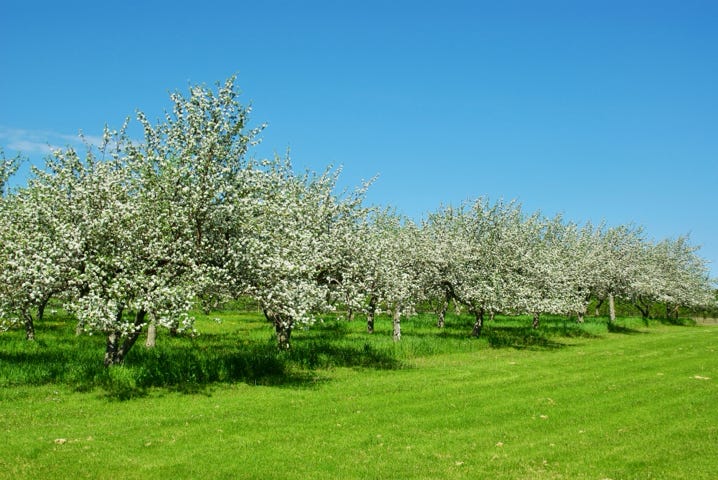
<point x="129" y="235"/>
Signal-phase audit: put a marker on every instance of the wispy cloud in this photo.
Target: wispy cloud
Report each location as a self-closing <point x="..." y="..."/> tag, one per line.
<point x="33" y="142"/>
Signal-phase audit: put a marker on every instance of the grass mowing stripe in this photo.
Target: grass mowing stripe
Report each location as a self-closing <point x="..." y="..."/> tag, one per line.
<point x="606" y="405"/>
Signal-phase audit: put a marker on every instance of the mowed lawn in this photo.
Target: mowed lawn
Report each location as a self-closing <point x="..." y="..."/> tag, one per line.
<point x="567" y="401"/>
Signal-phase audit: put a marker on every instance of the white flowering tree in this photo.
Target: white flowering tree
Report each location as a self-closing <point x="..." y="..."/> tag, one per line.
<point x="669" y="272"/>
<point x="688" y="276"/>
<point x="620" y="254"/>
<point x="491" y="259"/>
<point x="391" y="278"/>
<point x="443" y="251"/>
<point x="8" y="167"/>
<point x="141" y="220"/>
<point x="553" y="273"/>
<point x="97" y="200"/>
<point x="39" y="256"/>
<point x="582" y="259"/>
<point x="287" y="242"/>
<point x="195" y="178"/>
<point x="131" y="233"/>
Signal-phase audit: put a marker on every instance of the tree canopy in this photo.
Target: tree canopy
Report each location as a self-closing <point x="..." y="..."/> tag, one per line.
<point x="130" y="234"/>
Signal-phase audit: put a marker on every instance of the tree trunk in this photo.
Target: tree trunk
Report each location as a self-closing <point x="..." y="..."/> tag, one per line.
<point x="478" y="323"/>
<point x="441" y="316"/>
<point x="132" y="337"/>
<point x="370" y="322"/>
<point x="282" y="328"/>
<point x="581" y="315"/>
<point x="114" y="352"/>
<point x="29" y="326"/>
<point x="350" y="315"/>
<point x="611" y="308"/>
<point x="41" y="309"/>
<point x="284" y="334"/>
<point x="597" y="311"/>
<point x="151" y="341"/>
<point x="644" y="307"/>
<point x="371" y="313"/>
<point x="536" y="321"/>
<point x="396" y="324"/>
<point x="28" y="320"/>
<point x="111" y="348"/>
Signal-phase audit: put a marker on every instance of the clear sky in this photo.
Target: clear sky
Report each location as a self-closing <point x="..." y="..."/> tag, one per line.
<point x="600" y="110"/>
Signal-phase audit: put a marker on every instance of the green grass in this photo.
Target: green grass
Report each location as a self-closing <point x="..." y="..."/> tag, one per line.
<point x="566" y="401"/>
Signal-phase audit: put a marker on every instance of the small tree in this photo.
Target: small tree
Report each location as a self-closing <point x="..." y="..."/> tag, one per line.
<point x="442" y="245"/>
<point x="289" y="243"/>
<point x="489" y="259"/>
<point x="619" y="256"/>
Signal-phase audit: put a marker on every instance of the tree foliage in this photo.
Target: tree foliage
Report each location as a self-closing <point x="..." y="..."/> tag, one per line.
<point x="131" y="234"/>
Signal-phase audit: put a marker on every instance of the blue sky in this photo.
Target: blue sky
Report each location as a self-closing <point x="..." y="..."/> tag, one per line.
<point x="601" y="110"/>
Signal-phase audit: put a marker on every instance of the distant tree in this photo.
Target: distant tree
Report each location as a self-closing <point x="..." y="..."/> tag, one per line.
<point x="671" y="273"/>
<point x="620" y="252"/>
<point x="487" y="258"/>
<point x="289" y="245"/>
<point x="442" y="247"/>
<point x="41" y="251"/>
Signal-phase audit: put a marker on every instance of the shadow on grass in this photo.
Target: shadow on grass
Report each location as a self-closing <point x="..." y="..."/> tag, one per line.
<point x="521" y="338"/>
<point x="317" y="352"/>
<point x="616" y="328"/>
<point x="517" y="332"/>
<point x="681" y="322"/>
<point x="188" y="365"/>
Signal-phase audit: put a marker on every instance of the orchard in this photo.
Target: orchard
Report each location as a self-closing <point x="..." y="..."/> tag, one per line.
<point x="131" y="235"/>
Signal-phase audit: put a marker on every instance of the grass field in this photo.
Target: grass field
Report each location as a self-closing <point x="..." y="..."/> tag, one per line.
<point x="634" y="401"/>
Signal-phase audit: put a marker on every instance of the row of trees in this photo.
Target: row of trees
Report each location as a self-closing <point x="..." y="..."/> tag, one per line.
<point x="130" y="235"/>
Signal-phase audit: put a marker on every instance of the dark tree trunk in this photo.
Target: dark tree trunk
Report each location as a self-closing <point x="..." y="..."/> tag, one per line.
<point x="132" y="337"/>
<point x="478" y="322"/>
<point x="115" y="352"/>
<point x="396" y="324"/>
<point x="644" y="307"/>
<point x="111" y="348"/>
<point x="30" y="322"/>
<point x="597" y="311"/>
<point x="370" y="322"/>
<point x="41" y="308"/>
<point x="581" y="315"/>
<point x="29" y="326"/>
<point x="350" y="315"/>
<point x="441" y="316"/>
<point x="536" y="323"/>
<point x="371" y="313"/>
<point x="282" y="328"/>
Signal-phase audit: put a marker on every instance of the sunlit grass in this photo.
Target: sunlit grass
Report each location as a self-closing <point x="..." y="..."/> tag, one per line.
<point x="567" y="401"/>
